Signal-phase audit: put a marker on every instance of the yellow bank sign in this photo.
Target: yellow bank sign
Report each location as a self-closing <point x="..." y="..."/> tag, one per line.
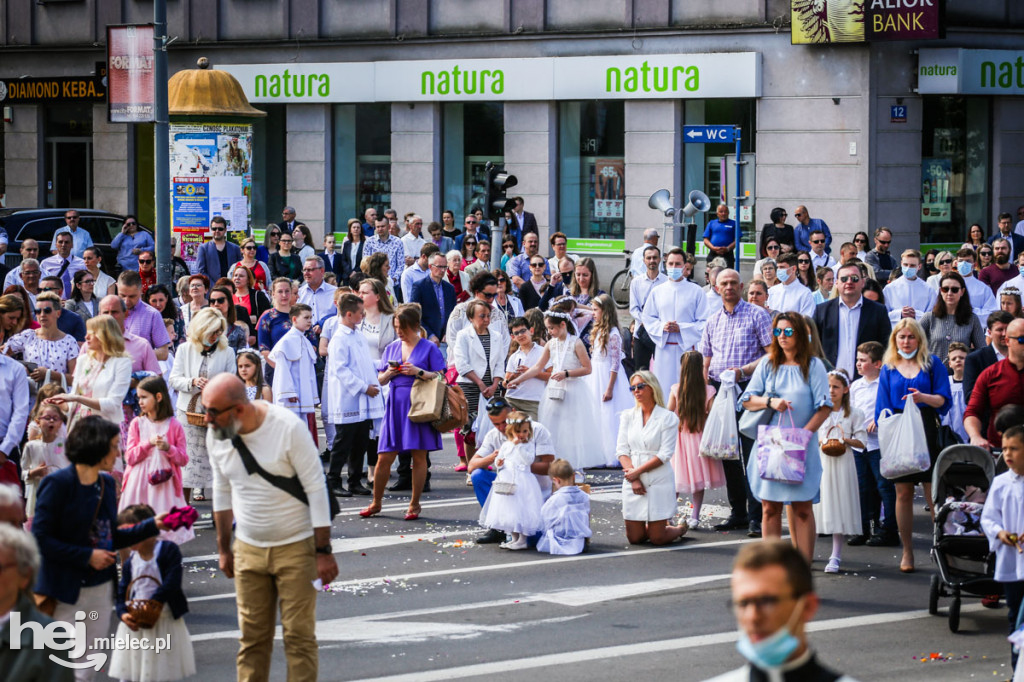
<point x="674" y="76"/>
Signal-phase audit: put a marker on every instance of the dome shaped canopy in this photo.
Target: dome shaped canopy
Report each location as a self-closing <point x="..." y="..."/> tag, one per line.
<point x="207" y="92"/>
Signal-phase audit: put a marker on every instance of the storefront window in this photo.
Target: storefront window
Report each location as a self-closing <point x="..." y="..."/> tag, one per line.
<point x="362" y="160"/>
<point x="592" y="171"/>
<point x="954" y="168"/>
<point x="473" y="135"/>
<point x="68" y="155"/>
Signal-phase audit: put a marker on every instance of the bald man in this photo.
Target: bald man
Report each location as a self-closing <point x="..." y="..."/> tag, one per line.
<point x="280" y="544"/>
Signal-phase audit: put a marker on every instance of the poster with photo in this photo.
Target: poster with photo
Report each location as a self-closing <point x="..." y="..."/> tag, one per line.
<point x="190" y="240"/>
<point x="609" y="187"/>
<point x="936" y="202"/>
<point x="211" y="170"/>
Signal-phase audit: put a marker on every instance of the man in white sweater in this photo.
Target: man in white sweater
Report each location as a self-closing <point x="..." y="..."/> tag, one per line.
<point x="281" y="544"/>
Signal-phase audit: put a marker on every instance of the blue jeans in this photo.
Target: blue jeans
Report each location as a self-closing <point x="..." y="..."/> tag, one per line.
<point x="482" y="480"/>
<point x="874" y="486"/>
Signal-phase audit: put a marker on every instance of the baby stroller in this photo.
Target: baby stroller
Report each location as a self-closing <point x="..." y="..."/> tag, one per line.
<point x="960" y="483"/>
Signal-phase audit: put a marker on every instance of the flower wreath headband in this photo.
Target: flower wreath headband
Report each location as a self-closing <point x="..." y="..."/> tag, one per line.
<point x="563" y="316"/>
<point x="841" y="375"/>
<point x="516" y="422"/>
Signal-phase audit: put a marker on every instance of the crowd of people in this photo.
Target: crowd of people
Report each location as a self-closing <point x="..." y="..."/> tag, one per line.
<point x="212" y="390"/>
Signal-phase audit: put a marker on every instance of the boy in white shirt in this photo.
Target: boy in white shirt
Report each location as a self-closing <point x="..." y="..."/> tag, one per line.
<point x="294" y="361"/>
<point x="525" y="397"/>
<point x="874" y="487"/>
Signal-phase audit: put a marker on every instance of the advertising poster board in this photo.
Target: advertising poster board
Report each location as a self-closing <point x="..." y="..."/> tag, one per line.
<point x="609" y="187"/>
<point x="130" y="84"/>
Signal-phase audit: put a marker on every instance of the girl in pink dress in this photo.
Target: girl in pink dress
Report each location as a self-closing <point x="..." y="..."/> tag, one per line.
<point x="154" y="456"/>
<point x="691" y="400"/>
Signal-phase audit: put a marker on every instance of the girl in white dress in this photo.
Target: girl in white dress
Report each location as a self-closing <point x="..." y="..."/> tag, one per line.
<point x="838" y="512"/>
<point x="567" y="403"/>
<point x="152" y="571"/>
<point x="514" y="502"/>
<point x="647" y="439"/>
<point x="42" y="456"/>
<point x="609" y="383"/>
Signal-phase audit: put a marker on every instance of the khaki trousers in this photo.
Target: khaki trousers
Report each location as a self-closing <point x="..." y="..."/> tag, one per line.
<point x="264" y="578"/>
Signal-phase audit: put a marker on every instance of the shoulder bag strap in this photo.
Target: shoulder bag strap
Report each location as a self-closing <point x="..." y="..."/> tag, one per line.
<point x="289" y="484"/>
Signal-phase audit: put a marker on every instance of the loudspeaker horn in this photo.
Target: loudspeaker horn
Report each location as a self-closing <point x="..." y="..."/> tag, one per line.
<point x="698" y="202"/>
<point x="661" y="201"/>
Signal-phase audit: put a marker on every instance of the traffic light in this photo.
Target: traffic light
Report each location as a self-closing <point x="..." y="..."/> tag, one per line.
<point x="498" y="184"/>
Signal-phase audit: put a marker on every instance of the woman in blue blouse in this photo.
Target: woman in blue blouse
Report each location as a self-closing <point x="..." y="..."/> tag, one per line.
<point x="910" y="371"/>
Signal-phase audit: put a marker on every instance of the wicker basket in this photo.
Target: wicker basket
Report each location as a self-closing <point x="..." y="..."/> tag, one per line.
<point x="194" y="417"/>
<point x="145" y="611"/>
<point x="833" y="447"/>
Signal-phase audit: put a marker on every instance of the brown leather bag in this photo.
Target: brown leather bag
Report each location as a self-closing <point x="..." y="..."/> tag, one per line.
<point x="454" y="412"/>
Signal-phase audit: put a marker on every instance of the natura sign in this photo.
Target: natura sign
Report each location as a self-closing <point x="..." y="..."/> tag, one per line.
<point x="954" y="71"/>
<point x="671" y="76"/>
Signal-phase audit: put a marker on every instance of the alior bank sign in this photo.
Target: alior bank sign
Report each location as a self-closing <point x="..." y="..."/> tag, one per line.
<point x="674" y="76"/>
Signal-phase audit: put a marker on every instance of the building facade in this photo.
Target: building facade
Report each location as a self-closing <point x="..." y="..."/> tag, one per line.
<point x="401" y="102"/>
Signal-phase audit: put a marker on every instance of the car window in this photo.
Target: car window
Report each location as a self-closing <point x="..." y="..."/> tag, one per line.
<point x="41" y="229"/>
<point x="97" y="228"/>
<point x="110" y="228"/>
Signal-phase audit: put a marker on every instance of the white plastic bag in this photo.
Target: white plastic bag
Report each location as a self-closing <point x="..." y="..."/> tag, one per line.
<point x="721" y="438"/>
<point x="903" y="442"/>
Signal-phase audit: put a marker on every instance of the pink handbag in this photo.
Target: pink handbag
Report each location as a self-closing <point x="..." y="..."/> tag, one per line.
<point x="782" y="452"/>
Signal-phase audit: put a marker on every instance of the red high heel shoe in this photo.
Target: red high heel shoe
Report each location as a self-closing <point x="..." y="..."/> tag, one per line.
<point x="369" y="511"/>
<point x="412" y="516"/>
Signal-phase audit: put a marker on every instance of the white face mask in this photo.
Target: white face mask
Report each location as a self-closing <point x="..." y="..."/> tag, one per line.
<point x="782" y="274"/>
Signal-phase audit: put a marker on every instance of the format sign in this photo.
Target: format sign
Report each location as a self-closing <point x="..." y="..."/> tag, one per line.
<point x="130" y="69"/>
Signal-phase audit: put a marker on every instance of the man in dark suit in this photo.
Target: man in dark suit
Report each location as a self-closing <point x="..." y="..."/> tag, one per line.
<point x="983" y="358"/>
<point x="525" y="221"/>
<point x="835" y="317"/>
<point x="425" y="292"/>
<point x="289" y="222"/>
<point x="215" y="257"/>
<point x="332" y="259"/>
<point x="1007" y="233"/>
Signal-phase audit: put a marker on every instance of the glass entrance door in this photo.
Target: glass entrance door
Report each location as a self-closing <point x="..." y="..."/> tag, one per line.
<point x="68" y="172"/>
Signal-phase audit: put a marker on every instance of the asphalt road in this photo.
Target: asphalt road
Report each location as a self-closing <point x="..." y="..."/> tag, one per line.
<point x="420" y="601"/>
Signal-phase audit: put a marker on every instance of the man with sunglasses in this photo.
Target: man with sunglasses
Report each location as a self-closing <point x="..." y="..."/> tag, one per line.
<point x="130" y="244"/>
<point x="879" y="257"/>
<point x="819" y="257"/>
<point x="805" y="225"/>
<point x="79" y="235"/>
<point x="518" y="267"/>
<point x="434" y="294"/>
<point x="214" y="257"/>
<point x="999" y="385"/>
<point x="849" y="320"/>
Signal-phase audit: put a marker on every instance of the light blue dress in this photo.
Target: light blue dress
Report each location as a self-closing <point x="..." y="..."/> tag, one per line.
<point x="805" y="397"/>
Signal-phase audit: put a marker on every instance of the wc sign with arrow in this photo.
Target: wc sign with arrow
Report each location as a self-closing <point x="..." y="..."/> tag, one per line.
<point x="709" y="134"/>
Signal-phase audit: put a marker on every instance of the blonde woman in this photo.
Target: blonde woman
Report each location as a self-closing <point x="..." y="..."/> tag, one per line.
<point x="646" y="442"/>
<point x="609" y="384"/>
<point x="910" y="372"/>
<point x="102" y="374"/>
<point x="206" y="354"/>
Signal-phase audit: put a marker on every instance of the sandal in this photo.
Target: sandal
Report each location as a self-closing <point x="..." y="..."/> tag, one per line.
<point x="199" y="496"/>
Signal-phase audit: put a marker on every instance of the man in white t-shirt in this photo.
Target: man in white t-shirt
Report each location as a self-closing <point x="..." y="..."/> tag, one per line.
<point x="278" y="539"/>
<point x="482" y="477"/>
<point x="525" y="397"/>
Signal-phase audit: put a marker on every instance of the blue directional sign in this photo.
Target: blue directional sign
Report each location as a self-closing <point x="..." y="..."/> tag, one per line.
<point x="708" y="134"/>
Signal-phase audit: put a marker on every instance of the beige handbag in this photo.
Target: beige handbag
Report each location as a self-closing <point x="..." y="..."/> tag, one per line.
<point x="427" y="400"/>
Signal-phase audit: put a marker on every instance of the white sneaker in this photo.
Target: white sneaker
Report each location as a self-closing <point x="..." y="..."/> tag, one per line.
<point x="517" y="545"/>
<point x="832" y="566"/>
<point x="694" y="522"/>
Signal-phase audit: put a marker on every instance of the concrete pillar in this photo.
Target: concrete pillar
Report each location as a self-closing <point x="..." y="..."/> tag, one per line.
<point x="307" y="168"/>
<point x="531" y="130"/>
<point x="415" y="159"/>
<point x="652" y="162"/>
<point x="21" y="161"/>
<point x="1007" y="170"/>
<point x="111" y="168"/>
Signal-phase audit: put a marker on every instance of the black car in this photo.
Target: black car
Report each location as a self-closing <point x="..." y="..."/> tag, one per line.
<point x="41" y="223"/>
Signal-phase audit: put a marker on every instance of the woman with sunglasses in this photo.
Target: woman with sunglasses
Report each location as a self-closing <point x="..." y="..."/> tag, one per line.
<point x="83" y="301"/>
<point x="805" y="270"/>
<point x="770" y="251"/>
<point x="778" y="230"/>
<point x="260" y="269"/>
<point x="51" y="351"/>
<point x="237" y="334"/>
<point x="285" y="262"/>
<point x="645" y="445"/>
<point x="860" y="240"/>
<point x="985" y="257"/>
<point x="468" y="251"/>
<point x="910" y="372"/>
<point x="943" y="265"/>
<point x="271" y="236"/>
<point x="794" y="384"/>
<point x="952" y="319"/>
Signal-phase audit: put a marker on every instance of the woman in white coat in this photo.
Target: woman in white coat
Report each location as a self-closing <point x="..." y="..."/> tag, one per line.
<point x="102" y="374"/>
<point x="206" y="354"/>
<point x="647" y="439"/>
<point x="479" y="360"/>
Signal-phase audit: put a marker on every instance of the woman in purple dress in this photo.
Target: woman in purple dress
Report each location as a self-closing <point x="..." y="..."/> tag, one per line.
<point x="409" y="359"/>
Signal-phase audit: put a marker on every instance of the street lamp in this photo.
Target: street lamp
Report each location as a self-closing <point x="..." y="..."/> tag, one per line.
<point x="698" y="202"/>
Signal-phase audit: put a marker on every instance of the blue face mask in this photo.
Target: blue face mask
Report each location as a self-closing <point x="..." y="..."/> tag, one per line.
<point x="773" y="651"/>
<point x="1020" y="269"/>
<point x="909" y="273"/>
<point x="783" y="275"/>
<point x="907" y="355"/>
<point x="965" y="268"/>
<point x="675" y="274"/>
